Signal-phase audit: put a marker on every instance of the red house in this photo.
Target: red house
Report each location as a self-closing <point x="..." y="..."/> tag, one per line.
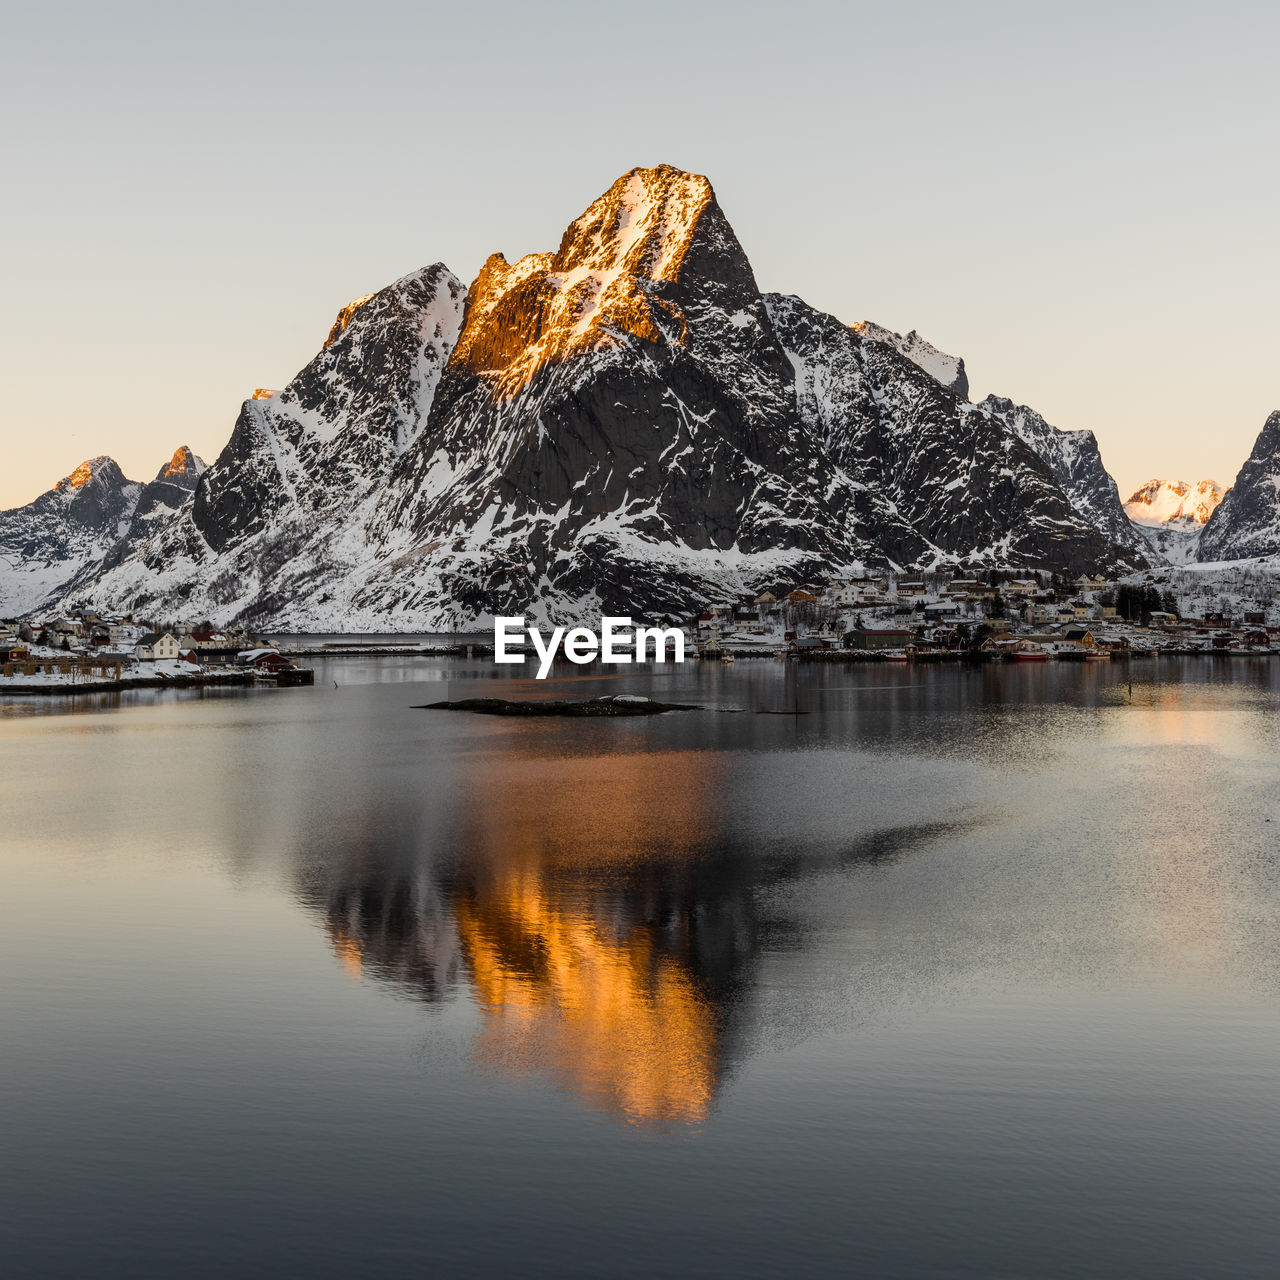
<point x="266" y="660"/>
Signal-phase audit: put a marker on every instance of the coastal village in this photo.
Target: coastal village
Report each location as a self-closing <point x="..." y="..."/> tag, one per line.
<point x="83" y="650"/>
<point x="994" y="616"/>
<point x="991" y="616"/>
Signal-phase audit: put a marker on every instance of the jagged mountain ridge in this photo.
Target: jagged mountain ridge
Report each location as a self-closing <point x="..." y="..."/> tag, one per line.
<point x="65" y="536"/>
<point x="1246" y="523"/>
<point x="1075" y="461"/>
<point x="948" y="370"/>
<point x="624" y="420"/>
<point x="159" y="502"/>
<point x="626" y="425"/>
<point x="280" y="520"/>
<point x="946" y="483"/>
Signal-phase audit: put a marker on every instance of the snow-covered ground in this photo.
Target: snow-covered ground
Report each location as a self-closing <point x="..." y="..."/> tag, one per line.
<point x="1230" y="586"/>
<point x="1175" y="542"/>
<point x="161" y="669"/>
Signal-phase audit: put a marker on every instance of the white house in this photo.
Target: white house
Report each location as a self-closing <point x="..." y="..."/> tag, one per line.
<point x="156" y="646"/>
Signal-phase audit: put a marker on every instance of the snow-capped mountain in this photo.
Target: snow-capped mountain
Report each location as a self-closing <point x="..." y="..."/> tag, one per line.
<point x="278" y="529"/>
<point x="948" y="370"/>
<point x="1165" y="502"/>
<point x="160" y="501"/>
<point x="1246" y="522"/>
<point x="89" y="519"/>
<point x="626" y="425"/>
<point x="64" y="532"/>
<point x="1171" y="515"/>
<point x="938" y="480"/>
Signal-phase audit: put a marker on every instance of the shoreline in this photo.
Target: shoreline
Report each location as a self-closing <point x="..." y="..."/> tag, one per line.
<point x="780" y="653"/>
<point x="849" y="656"/>
<point x="135" y="682"/>
<point x="357" y="650"/>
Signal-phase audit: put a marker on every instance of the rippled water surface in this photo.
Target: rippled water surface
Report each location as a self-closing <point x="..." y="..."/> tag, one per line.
<point x="957" y="972"/>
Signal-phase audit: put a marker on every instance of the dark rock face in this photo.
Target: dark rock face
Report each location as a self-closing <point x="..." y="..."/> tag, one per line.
<point x="94" y="496"/>
<point x="625" y="425"/>
<point x="947" y="482"/>
<point x="159" y="503"/>
<point x="1075" y="462"/>
<point x="279" y="521"/>
<point x="632" y="435"/>
<point x="1247" y="521"/>
<point x="638" y="425"/>
<point x="244" y="490"/>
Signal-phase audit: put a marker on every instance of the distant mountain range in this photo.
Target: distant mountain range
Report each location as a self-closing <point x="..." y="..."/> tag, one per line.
<point x="626" y="425"/>
<point x="1172" y="514"/>
<point x="89" y="521"/>
<point x="1165" y="502"/>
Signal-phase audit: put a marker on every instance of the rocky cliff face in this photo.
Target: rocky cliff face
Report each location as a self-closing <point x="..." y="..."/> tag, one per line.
<point x="278" y="528"/>
<point x="624" y="425"/>
<point x="945" y="481"/>
<point x="159" y="503"/>
<point x="1075" y="462"/>
<point x="1247" y="521"/>
<point x="617" y="424"/>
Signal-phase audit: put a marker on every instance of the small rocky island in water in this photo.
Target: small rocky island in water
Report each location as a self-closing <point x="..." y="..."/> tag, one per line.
<point x="617" y="705"/>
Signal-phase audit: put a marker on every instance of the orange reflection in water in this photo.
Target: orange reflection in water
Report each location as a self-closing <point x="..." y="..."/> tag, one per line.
<point x="1168" y="721"/>
<point x="1187" y="899"/>
<point x="348" y="949"/>
<point x="569" y="985"/>
<point x="611" y="1017"/>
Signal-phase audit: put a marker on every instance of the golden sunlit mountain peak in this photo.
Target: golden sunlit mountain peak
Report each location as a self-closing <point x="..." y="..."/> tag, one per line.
<point x="344" y="319"/>
<point x="598" y="289"/>
<point x="180" y="463"/>
<point x="84" y="473"/>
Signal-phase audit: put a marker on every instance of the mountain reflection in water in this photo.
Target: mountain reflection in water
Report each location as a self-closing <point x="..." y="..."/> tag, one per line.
<point x="970" y="972"/>
<point x="606" y="930"/>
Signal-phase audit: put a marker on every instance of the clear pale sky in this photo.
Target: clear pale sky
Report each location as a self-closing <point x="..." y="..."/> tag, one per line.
<point x="1080" y="200"/>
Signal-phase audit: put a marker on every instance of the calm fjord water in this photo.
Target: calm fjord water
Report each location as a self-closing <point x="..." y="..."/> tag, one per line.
<point x="964" y="973"/>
